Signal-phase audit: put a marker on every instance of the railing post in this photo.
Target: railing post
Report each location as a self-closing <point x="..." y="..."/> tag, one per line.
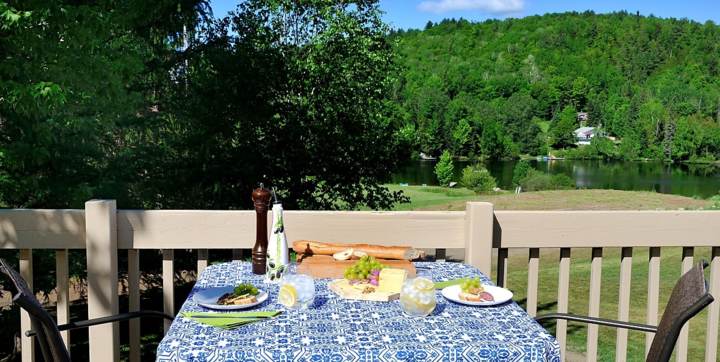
<point x="27" y="344"/>
<point x="102" y="277"/>
<point x="134" y="303"/>
<point x="63" y="297"/>
<point x="479" y="221"/>
<point x="168" y="285"/>
<point x="653" y="294"/>
<point x="624" y="303"/>
<point x="563" y="299"/>
<point x="533" y="273"/>
<point x="594" y="303"/>
<point x="502" y="267"/>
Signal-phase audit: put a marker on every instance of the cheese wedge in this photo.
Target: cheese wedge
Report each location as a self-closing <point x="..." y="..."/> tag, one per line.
<point x="391" y="280"/>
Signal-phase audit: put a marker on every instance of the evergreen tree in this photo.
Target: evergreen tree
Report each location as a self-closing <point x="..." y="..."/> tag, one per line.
<point x="445" y="169"/>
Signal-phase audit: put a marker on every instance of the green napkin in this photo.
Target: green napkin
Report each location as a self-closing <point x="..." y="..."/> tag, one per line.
<point x="229" y="320"/>
<point x="447" y="283"/>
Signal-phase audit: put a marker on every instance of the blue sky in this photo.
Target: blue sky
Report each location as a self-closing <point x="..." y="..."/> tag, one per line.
<point x="415" y="13"/>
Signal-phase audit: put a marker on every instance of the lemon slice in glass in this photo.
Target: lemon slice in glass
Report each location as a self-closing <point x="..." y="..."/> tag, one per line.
<point x="287" y="295"/>
<point x="421" y="283"/>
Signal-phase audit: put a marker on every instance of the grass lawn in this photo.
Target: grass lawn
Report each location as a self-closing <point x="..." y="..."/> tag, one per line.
<point x="441" y="198"/>
<point x="437" y="198"/>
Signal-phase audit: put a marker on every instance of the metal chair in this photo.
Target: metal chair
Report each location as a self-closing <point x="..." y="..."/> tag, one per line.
<point x="44" y="329"/>
<point x="688" y="298"/>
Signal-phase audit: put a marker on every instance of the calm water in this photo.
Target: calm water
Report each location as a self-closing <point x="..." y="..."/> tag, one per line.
<point x="680" y="179"/>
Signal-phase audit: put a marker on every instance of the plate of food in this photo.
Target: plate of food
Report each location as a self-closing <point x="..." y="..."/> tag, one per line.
<point x="472" y="292"/>
<point x="242" y="296"/>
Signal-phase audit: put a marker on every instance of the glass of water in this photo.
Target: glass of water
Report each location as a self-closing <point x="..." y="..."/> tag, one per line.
<point x="417" y="297"/>
<point x="297" y="291"/>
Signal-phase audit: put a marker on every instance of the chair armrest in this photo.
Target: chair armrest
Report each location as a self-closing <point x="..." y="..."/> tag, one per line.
<point x="598" y="321"/>
<point x="109" y="319"/>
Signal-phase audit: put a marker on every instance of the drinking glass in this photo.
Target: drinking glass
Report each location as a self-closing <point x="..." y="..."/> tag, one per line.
<point x="417" y="296"/>
<point x="304" y="288"/>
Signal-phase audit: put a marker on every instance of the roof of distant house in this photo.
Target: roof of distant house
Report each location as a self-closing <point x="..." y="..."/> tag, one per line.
<point x="584" y="130"/>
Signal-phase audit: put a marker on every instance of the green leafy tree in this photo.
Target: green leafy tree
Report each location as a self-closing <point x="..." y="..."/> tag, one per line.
<point x="494" y="143"/>
<point x="75" y="79"/>
<point x="461" y="136"/>
<point x="290" y="94"/>
<point x="579" y="92"/>
<point x="445" y="169"/>
<point x="604" y="148"/>
<point x="563" y="126"/>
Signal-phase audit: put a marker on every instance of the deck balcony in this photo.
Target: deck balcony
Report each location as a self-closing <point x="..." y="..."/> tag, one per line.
<point x="577" y="261"/>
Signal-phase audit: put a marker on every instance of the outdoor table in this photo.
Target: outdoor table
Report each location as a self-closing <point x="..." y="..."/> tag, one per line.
<point x="335" y="329"/>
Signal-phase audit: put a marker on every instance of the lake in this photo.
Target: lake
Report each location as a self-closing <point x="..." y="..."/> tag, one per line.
<point x="679" y="179"/>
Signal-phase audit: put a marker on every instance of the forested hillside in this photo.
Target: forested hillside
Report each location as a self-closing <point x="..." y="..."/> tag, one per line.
<point x="160" y="105"/>
<point x="505" y="88"/>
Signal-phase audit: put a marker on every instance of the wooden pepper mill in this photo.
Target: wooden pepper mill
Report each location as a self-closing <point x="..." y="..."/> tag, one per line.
<point x="261" y="200"/>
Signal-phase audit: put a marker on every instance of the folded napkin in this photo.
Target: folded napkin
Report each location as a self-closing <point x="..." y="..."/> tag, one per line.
<point x="447" y="283"/>
<point x="229" y="320"/>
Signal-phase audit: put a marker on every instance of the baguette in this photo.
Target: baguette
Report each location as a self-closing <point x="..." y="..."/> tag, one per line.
<point x="308" y="247"/>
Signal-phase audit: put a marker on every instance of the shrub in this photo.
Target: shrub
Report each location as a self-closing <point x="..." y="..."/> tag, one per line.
<point x="478" y="179"/>
<point x="539" y="181"/>
<point x="562" y="182"/>
<point x="715" y="202"/>
<point x="444" y="169"/>
<point x="520" y="170"/>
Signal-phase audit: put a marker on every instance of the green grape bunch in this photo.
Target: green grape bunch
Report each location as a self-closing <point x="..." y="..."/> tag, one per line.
<point x="367" y="269"/>
<point x="470" y="285"/>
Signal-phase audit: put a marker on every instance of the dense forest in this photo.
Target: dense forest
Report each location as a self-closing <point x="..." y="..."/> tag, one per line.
<point x="163" y="105"/>
<point x="503" y="88"/>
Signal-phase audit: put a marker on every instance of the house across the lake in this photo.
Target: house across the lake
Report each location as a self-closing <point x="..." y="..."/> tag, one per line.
<point x="583" y="135"/>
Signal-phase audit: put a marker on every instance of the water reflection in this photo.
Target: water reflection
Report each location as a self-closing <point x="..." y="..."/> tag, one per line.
<point x="680" y="179"/>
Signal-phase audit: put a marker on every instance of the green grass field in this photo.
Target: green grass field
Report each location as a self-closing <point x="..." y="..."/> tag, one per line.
<point x="436" y="198"/>
<point x="442" y="198"/>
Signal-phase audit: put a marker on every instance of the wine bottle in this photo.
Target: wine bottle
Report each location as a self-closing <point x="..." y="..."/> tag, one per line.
<point x="277" y="251"/>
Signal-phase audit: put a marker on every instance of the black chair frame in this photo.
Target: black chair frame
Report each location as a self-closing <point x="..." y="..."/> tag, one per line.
<point x="121" y="317"/>
<point x="44" y="329"/>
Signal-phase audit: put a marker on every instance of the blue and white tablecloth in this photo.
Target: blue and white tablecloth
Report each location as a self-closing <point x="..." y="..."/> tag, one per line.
<point x="335" y="329"/>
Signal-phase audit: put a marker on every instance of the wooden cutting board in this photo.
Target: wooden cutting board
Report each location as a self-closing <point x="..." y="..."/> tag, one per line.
<point x="324" y="266"/>
<point x="342" y="288"/>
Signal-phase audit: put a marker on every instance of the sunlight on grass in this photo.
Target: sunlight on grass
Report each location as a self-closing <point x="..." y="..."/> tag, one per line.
<point x="443" y="198"/>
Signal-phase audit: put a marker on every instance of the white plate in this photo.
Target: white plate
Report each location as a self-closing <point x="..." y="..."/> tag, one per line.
<point x="501" y="295"/>
<point x="208" y="298"/>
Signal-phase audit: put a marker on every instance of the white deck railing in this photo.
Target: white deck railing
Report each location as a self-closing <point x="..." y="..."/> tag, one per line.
<point x="102" y="230"/>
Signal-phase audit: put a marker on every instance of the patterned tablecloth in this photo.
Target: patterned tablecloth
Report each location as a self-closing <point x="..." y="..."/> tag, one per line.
<point x="344" y="330"/>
